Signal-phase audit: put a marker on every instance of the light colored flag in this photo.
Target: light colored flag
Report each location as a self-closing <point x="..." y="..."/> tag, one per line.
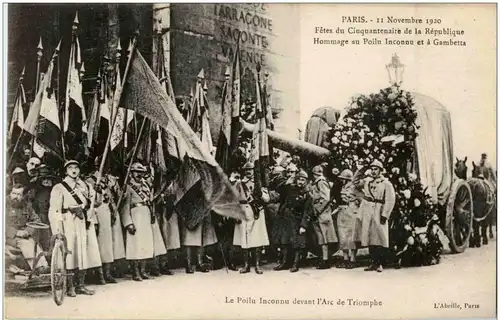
<point x="74" y="87"/>
<point x="18" y="114"/>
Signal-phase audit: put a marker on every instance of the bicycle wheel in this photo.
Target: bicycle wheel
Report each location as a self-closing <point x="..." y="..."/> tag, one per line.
<point x="58" y="272"/>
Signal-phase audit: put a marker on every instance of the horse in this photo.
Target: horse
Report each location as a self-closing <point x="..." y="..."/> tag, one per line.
<point x="484" y="203"/>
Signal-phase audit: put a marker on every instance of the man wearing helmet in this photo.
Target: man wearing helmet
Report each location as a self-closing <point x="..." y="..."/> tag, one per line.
<point x="69" y="203"/>
<point x="293" y="217"/>
<point x="345" y="220"/>
<point x="106" y="214"/>
<point x="250" y="234"/>
<point x="137" y="219"/>
<point x="375" y="210"/>
<point x="322" y="222"/>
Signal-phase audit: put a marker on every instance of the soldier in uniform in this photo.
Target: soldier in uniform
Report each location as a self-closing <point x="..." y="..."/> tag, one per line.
<point x="250" y="234"/>
<point x="346" y="211"/>
<point x="69" y="203"/>
<point x="105" y="213"/>
<point x="375" y="210"/>
<point x="322" y="222"/>
<point x="137" y="217"/>
<point x="19" y="241"/>
<point x="159" y="265"/>
<point x="293" y="217"/>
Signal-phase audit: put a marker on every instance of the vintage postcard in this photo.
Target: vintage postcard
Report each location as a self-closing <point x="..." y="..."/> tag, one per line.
<point x="250" y="160"/>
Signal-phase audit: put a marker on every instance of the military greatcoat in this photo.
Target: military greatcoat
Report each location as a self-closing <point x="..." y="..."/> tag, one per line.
<point x="136" y="210"/>
<point x="251" y="233"/>
<point x="295" y="211"/>
<point x="322" y="222"/>
<point x="379" y="199"/>
<point x="63" y="220"/>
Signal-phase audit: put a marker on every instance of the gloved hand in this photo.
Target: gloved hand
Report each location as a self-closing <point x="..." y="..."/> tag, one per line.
<point x="302" y="230"/>
<point x="383" y="220"/>
<point x="131" y="229"/>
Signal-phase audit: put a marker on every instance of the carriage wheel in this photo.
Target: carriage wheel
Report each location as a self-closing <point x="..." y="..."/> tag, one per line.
<point x="58" y="272"/>
<point x="459" y="216"/>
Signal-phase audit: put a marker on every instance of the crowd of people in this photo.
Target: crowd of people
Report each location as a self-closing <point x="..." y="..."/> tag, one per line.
<point x="297" y="211"/>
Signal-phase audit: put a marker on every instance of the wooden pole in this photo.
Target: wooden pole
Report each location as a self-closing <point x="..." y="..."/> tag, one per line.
<point x="39" y="55"/>
<point x="134" y="152"/>
<point x="18" y="96"/>
<point x="58" y="98"/>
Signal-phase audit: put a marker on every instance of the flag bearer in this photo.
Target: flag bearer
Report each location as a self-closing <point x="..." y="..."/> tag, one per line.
<point x="252" y="233"/>
<point x="137" y="218"/>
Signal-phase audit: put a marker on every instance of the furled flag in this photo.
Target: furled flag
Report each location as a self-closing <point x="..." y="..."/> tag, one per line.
<point x="260" y="152"/>
<point x="201" y="185"/>
<point x="223" y="152"/>
<point x="17" y="118"/>
<point x="235" y="96"/>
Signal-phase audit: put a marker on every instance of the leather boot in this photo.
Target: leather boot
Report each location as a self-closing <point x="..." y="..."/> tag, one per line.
<point x="142" y="269"/>
<point x="136" y="276"/>
<point x="201" y="267"/>
<point x="70" y="284"/>
<point x="246" y="265"/>
<point x="100" y="276"/>
<point x="120" y="267"/>
<point x="258" y="270"/>
<point x="283" y="263"/>
<point x="164" y="266"/>
<point x="80" y="285"/>
<point x="296" y="259"/>
<point x="107" y="273"/>
<point x="189" y="265"/>
<point x="155" y="267"/>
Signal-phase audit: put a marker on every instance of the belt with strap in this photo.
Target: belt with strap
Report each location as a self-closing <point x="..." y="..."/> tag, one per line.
<point x="243" y="202"/>
<point x="370" y="199"/>
<point x="139" y="204"/>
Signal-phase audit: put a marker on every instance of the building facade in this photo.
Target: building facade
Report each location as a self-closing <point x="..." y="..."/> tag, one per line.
<point x="197" y="36"/>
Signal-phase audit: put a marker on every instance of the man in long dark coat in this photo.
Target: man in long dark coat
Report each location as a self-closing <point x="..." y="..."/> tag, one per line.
<point x="292" y="220"/>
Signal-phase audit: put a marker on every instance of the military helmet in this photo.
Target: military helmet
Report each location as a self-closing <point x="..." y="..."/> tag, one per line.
<point x="317" y="169"/>
<point x="248" y="166"/>
<point x="18" y="170"/>
<point x="138" y="167"/>
<point x="302" y="174"/>
<point x="292" y="168"/>
<point x="346" y="174"/>
<point x="70" y="162"/>
<point x="377" y="164"/>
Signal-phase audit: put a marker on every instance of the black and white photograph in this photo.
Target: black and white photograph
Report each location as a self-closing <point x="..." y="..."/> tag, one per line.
<point x="250" y="160"/>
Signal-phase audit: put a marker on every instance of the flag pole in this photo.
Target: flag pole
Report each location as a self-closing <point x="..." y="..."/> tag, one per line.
<point x="18" y="96"/>
<point x="134" y="152"/>
<point x="58" y="96"/>
<point x="116" y="101"/>
<point x="39" y="55"/>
